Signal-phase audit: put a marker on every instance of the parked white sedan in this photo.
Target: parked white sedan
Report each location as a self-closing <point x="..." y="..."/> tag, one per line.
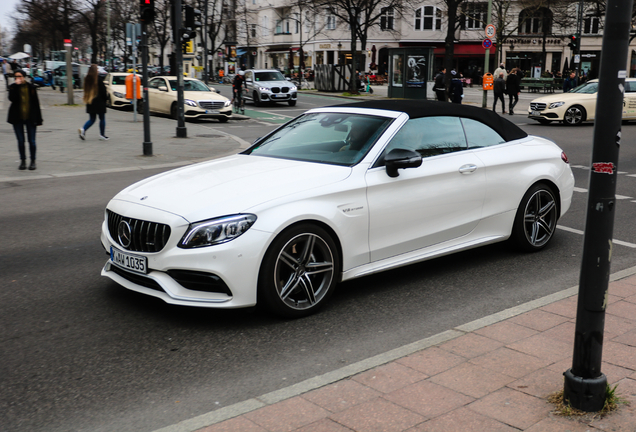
<point x="335" y="194"/>
<point x="115" y="83"/>
<point x="200" y="101"/>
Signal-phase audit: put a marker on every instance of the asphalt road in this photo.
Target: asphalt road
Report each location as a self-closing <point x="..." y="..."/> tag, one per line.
<point x="80" y="353"/>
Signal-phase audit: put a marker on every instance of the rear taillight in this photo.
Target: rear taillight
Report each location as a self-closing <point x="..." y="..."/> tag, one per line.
<point x="564" y="158"/>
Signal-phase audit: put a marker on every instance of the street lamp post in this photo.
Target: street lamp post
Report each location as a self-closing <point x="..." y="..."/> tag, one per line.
<point x="484" y="101"/>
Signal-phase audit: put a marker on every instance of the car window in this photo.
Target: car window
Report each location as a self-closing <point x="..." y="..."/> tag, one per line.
<point x="118" y="80"/>
<point x="333" y="138"/>
<point x="430" y="136"/>
<point x="155" y="83"/>
<point x="190" y="85"/>
<point x="630" y="87"/>
<point x="479" y="135"/>
<point x="248" y="75"/>
<point x="269" y="76"/>
<point x="587" y="88"/>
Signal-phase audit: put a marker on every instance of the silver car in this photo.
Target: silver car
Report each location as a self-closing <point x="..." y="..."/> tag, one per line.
<point x="267" y="85"/>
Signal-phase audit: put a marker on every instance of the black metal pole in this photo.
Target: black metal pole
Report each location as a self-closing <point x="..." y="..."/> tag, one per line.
<point x="585" y="384"/>
<point x="144" y="82"/>
<point x="182" y="132"/>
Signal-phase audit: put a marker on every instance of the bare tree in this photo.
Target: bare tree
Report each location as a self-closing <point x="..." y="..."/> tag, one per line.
<point x="92" y="15"/>
<point x="453" y="24"/>
<point x="360" y="16"/>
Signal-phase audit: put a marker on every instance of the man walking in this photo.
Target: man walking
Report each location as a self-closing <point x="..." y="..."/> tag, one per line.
<point x="499" y="88"/>
<point x="440" y="88"/>
<point x="499" y="70"/>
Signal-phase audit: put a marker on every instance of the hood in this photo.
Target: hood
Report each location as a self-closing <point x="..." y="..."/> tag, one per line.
<point x="565" y="97"/>
<point x="229" y="185"/>
<point x="270" y="84"/>
<point x="203" y="95"/>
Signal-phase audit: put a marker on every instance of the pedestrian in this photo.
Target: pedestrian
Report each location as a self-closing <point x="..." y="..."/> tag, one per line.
<point x="14" y="65"/>
<point x="513" y="87"/>
<point x="456" y="88"/>
<point x="24" y="112"/>
<point x="95" y="100"/>
<point x="501" y="69"/>
<point x="6" y="71"/>
<point x="499" y="88"/>
<point x="439" y="87"/>
<point x="570" y="82"/>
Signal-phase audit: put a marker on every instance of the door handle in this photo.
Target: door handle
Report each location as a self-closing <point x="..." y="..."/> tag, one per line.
<point x="467" y="169"/>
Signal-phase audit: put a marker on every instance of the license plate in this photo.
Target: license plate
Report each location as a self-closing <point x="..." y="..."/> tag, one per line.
<point x="134" y="263"/>
<point x="212" y="112"/>
<point x="535" y="113"/>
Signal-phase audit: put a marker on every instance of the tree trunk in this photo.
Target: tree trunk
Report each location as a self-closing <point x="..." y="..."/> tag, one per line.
<point x="449" y="43"/>
<point x="353" y="83"/>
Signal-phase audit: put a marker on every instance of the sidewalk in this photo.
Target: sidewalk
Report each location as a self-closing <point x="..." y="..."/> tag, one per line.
<point x="490" y="375"/>
<point x="61" y="153"/>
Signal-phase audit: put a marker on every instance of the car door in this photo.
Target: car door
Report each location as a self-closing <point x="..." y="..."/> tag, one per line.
<point x="154" y="94"/>
<point x="439" y="201"/>
<point x="629" y="100"/>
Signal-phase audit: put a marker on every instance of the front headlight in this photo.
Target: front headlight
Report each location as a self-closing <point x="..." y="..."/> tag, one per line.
<point x="264" y="89"/>
<point x="119" y="95"/>
<point x="227" y="103"/>
<point x="190" y="102"/>
<point x="215" y="231"/>
<point x="555" y="105"/>
<point x="293" y="88"/>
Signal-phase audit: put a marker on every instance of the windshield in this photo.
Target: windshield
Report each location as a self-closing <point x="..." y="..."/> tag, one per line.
<point x="118" y="80"/>
<point x="269" y="76"/>
<point x="332" y="138"/>
<point x="190" y="86"/>
<point x="587" y="88"/>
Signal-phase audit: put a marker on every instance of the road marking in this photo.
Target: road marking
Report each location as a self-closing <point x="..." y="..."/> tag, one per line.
<point x="276" y="114"/>
<point x="618" y="242"/>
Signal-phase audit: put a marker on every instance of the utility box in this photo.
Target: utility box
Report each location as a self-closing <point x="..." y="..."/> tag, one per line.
<point x="409" y="69"/>
<point x="488" y="81"/>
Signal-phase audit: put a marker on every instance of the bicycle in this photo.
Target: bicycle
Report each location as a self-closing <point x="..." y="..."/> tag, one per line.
<point x="239" y="103"/>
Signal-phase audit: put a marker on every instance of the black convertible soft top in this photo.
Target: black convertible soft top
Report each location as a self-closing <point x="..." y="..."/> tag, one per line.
<point x="422" y="108"/>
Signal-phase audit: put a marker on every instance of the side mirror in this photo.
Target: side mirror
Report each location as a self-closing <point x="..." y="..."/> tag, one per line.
<point x="162" y="88"/>
<point x="401" y="158"/>
<point x="288" y="79"/>
<point x="218" y="91"/>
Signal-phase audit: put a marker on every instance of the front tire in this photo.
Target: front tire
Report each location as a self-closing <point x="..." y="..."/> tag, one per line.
<point x="536" y="218"/>
<point x="223" y="119"/>
<point x="544" y="121"/>
<point x="574" y="116"/>
<point x="292" y="103"/>
<point x="173" y="112"/>
<point x="299" y="272"/>
<point x="256" y="99"/>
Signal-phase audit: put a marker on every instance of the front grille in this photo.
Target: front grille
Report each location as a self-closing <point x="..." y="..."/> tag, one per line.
<point x="136" y="278"/>
<point x="275" y="89"/>
<point x="211" y="104"/>
<point x="284" y="89"/>
<point x="145" y="236"/>
<point x="535" y="106"/>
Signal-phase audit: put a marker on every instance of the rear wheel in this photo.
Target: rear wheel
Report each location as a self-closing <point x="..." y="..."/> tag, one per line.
<point x="574" y="116"/>
<point x="536" y="218"/>
<point x="299" y="271"/>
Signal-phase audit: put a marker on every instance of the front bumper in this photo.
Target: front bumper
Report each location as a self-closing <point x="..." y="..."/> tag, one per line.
<point x="196" y="112"/>
<point x="220" y="276"/>
<point x="279" y="97"/>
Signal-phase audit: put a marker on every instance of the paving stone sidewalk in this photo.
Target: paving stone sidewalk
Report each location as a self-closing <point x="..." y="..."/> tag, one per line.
<point x="491" y="375"/>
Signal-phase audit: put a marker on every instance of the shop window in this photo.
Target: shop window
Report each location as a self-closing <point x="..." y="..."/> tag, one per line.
<point x="428" y="18"/>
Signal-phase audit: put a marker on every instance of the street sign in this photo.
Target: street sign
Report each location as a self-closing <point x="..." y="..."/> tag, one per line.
<point x="490" y="31"/>
<point x="67" y="42"/>
<point x="487" y="43"/>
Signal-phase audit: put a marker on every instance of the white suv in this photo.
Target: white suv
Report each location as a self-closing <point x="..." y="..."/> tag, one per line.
<point x="269" y="85"/>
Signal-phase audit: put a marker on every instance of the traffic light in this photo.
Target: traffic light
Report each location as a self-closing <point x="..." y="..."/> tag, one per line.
<point x="192" y="21"/>
<point x="147" y="10"/>
<point x="575" y="41"/>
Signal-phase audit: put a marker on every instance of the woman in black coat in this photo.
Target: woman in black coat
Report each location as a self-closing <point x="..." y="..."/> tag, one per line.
<point x="513" y="88"/>
<point x="95" y="100"/>
<point x="24" y="111"/>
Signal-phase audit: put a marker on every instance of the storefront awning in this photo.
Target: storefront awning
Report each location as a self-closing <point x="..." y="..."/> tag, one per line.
<point x="465" y="50"/>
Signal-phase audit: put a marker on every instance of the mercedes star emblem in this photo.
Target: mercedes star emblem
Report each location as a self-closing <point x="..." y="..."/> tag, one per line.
<point x="124" y="233"/>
